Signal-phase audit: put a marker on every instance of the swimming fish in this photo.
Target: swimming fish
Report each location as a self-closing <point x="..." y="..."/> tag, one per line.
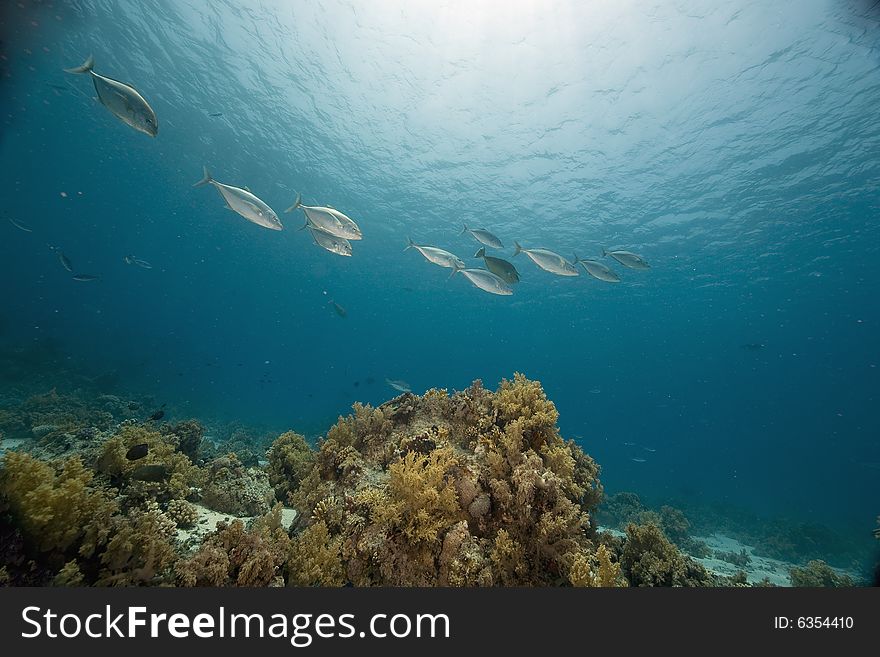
<point x="627" y="259"/>
<point x="400" y="386"/>
<point x="330" y="242"/>
<point x="216" y="114"/>
<point x="501" y="268"/>
<point x="484" y="280"/>
<point x="244" y="203"/>
<point x="638" y="460"/>
<point x="483" y="237"/>
<point x="131" y="260"/>
<point x="342" y="312"/>
<point x="548" y="261"/>
<point x="122" y="100"/>
<point x="754" y="346"/>
<point x="137" y="452"/>
<point x="155" y="472"/>
<point x="156" y="416"/>
<point x="649" y="449"/>
<point x="329" y="220"/>
<point x="85" y="278"/>
<point x="598" y="270"/>
<point x="437" y="256"/>
<point x="63" y="259"/>
<point x="20" y="225"/>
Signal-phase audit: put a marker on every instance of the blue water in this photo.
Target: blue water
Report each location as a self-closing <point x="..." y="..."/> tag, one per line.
<point x="736" y="146"/>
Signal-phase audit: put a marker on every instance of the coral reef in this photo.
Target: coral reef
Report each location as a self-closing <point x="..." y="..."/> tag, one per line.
<point x="290" y="459"/>
<point x="164" y="473"/>
<point x="650" y="559"/>
<point x="232" y="488"/>
<point x="476" y="488"/>
<point x="239" y="555"/>
<point x="818" y="573"/>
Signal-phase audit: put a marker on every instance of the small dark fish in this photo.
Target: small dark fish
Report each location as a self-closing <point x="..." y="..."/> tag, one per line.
<point x="85" y="278"/>
<point x="155" y="472"/>
<point x="155" y="417"/>
<point x="754" y="346"/>
<point x="216" y="114"/>
<point x="137" y="452"/>
<point x="20" y="225"/>
<point x="342" y="312"/>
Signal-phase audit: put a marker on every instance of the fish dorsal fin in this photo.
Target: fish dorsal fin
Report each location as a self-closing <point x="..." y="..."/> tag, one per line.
<point x="248" y="189"/>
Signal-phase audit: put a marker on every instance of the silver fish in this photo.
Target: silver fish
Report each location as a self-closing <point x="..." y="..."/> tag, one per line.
<point x="122" y="100"/>
<point x="548" y="261"/>
<point x="332" y="243"/>
<point x="501" y="268"/>
<point x="244" y="203"/>
<point x="131" y="260"/>
<point x="483" y="236"/>
<point x="400" y="386"/>
<point x="485" y="280"/>
<point x="638" y="460"/>
<point x="85" y="278"/>
<point x="437" y="256"/>
<point x="20" y="225"/>
<point x="627" y="259"/>
<point x="598" y="270"/>
<point x="63" y="259"/>
<point x="329" y="220"/>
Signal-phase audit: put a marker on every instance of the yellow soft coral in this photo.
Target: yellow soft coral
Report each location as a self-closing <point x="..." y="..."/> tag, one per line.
<point x="595" y="570"/>
<point x="290" y="459"/>
<point x="182" y="474"/>
<point x="423" y="498"/>
<point x="315" y="558"/>
<point x="524" y="400"/>
<point x="56" y="505"/>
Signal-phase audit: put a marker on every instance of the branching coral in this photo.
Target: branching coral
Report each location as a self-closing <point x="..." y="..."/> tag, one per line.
<point x="596" y="570"/>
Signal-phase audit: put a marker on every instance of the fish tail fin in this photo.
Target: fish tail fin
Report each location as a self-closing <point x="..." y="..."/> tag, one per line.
<point x="576" y="259"/>
<point x="410" y="244"/>
<point x="604" y="252"/>
<point x="205" y="179"/>
<point x="85" y="67"/>
<point x="463" y="230"/>
<point x="296" y="204"/>
<point x="481" y="252"/>
<point x="305" y="225"/>
<point x="517" y="249"/>
<point x="455" y="269"/>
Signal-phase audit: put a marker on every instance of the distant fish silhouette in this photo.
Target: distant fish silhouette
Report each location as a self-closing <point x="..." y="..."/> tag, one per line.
<point x="21" y="226"/>
<point x="342" y="312"/>
<point x="638" y="460"/>
<point x="753" y="346"/>
<point x="216" y="114"/>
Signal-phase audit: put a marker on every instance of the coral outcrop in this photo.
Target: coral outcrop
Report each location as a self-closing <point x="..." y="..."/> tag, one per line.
<point x="474" y="488"/>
